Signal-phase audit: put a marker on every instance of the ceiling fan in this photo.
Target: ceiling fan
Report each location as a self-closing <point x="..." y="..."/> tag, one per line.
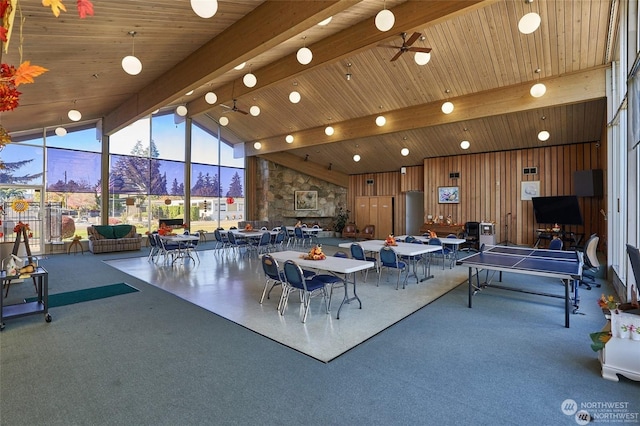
<point x="406" y="45"/>
<point x="234" y="108"/>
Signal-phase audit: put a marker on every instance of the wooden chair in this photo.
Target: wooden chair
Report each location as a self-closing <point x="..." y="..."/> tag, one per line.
<point x="350" y="231"/>
<point x="368" y="232"/>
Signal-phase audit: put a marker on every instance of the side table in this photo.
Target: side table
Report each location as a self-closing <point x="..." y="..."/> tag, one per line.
<point x="75" y="246"/>
<point x="620" y="356"/>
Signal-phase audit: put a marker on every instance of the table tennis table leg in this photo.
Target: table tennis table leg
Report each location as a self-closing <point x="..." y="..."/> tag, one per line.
<point x="470" y="286"/>
<point x="566" y="303"/>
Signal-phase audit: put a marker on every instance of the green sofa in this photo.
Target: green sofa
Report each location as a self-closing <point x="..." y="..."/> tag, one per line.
<point x="111" y="238"/>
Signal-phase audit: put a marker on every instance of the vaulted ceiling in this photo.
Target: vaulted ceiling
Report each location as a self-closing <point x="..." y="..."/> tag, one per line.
<point x="479" y="61"/>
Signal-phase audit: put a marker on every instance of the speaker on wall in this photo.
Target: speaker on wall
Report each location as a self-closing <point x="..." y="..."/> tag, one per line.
<point x="588" y="183"/>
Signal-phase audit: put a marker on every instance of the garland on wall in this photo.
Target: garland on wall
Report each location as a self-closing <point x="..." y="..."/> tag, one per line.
<point x="12" y="77"/>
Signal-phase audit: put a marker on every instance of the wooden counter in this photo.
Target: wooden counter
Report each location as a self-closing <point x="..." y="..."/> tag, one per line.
<point x="441" y="229"/>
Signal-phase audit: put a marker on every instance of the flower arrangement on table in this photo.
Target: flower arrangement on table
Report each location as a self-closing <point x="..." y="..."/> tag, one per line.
<point x="314" y="254"/>
<point x="165" y="230"/>
<point x="248" y="227"/>
<point x="390" y="241"/>
<point x="607" y="302"/>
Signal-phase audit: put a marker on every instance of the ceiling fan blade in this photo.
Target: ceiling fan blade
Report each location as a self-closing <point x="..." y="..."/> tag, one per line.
<point x="413" y="38"/>
<point x="226" y="106"/>
<point x="397" y="55"/>
<point x="241" y="111"/>
<point x="419" y="49"/>
<point x="389" y="46"/>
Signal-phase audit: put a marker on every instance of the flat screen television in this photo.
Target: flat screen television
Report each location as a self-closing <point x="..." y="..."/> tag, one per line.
<point x="562" y="209"/>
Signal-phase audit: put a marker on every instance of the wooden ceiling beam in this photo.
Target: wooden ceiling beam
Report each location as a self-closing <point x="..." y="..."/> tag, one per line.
<point x="563" y="90"/>
<point x="356" y="38"/>
<point x="308" y="167"/>
<point x="270" y="24"/>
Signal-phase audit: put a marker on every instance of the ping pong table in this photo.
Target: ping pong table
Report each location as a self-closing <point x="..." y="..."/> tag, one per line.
<point x="565" y="265"/>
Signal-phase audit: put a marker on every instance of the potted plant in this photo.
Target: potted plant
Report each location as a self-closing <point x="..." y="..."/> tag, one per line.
<point x="340" y="220"/>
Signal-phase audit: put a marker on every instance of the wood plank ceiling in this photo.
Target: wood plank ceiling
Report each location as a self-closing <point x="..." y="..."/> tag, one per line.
<point x="479" y="61"/>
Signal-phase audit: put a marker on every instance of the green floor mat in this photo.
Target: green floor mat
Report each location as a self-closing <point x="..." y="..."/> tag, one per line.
<point x="84" y="295"/>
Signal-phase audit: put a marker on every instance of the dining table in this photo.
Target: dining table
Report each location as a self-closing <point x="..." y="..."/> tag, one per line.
<point x="183" y="241"/>
<point x="411" y="250"/>
<point x="453" y="243"/>
<point x="341" y="267"/>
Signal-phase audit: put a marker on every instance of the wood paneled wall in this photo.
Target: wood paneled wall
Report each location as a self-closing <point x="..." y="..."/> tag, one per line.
<point x="490" y="188"/>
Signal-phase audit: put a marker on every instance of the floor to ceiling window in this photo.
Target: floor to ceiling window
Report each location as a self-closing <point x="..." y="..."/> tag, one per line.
<point x="59" y="177"/>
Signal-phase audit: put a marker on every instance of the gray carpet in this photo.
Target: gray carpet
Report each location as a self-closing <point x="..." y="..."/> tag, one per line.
<point x="150" y="358"/>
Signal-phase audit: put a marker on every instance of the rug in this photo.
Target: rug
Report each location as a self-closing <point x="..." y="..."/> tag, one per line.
<point x="231" y="286"/>
<point x="87" y="294"/>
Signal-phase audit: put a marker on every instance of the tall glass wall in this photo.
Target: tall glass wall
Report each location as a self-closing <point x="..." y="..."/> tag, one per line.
<point x="147" y="180"/>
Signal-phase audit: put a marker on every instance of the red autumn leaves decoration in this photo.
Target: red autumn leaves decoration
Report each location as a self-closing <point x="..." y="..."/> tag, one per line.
<point x="12" y="77"/>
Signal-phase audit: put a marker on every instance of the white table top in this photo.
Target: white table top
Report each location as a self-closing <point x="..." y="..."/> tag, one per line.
<point x="339" y="265"/>
<point x="307" y="229"/>
<point x="452" y="241"/>
<point x="403" y="249"/>
<point x="249" y="234"/>
<point x="180" y="238"/>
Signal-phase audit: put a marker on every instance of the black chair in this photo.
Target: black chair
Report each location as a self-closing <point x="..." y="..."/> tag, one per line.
<point x="634" y="258"/>
<point x="591" y="263"/>
<point x="472" y="235"/>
